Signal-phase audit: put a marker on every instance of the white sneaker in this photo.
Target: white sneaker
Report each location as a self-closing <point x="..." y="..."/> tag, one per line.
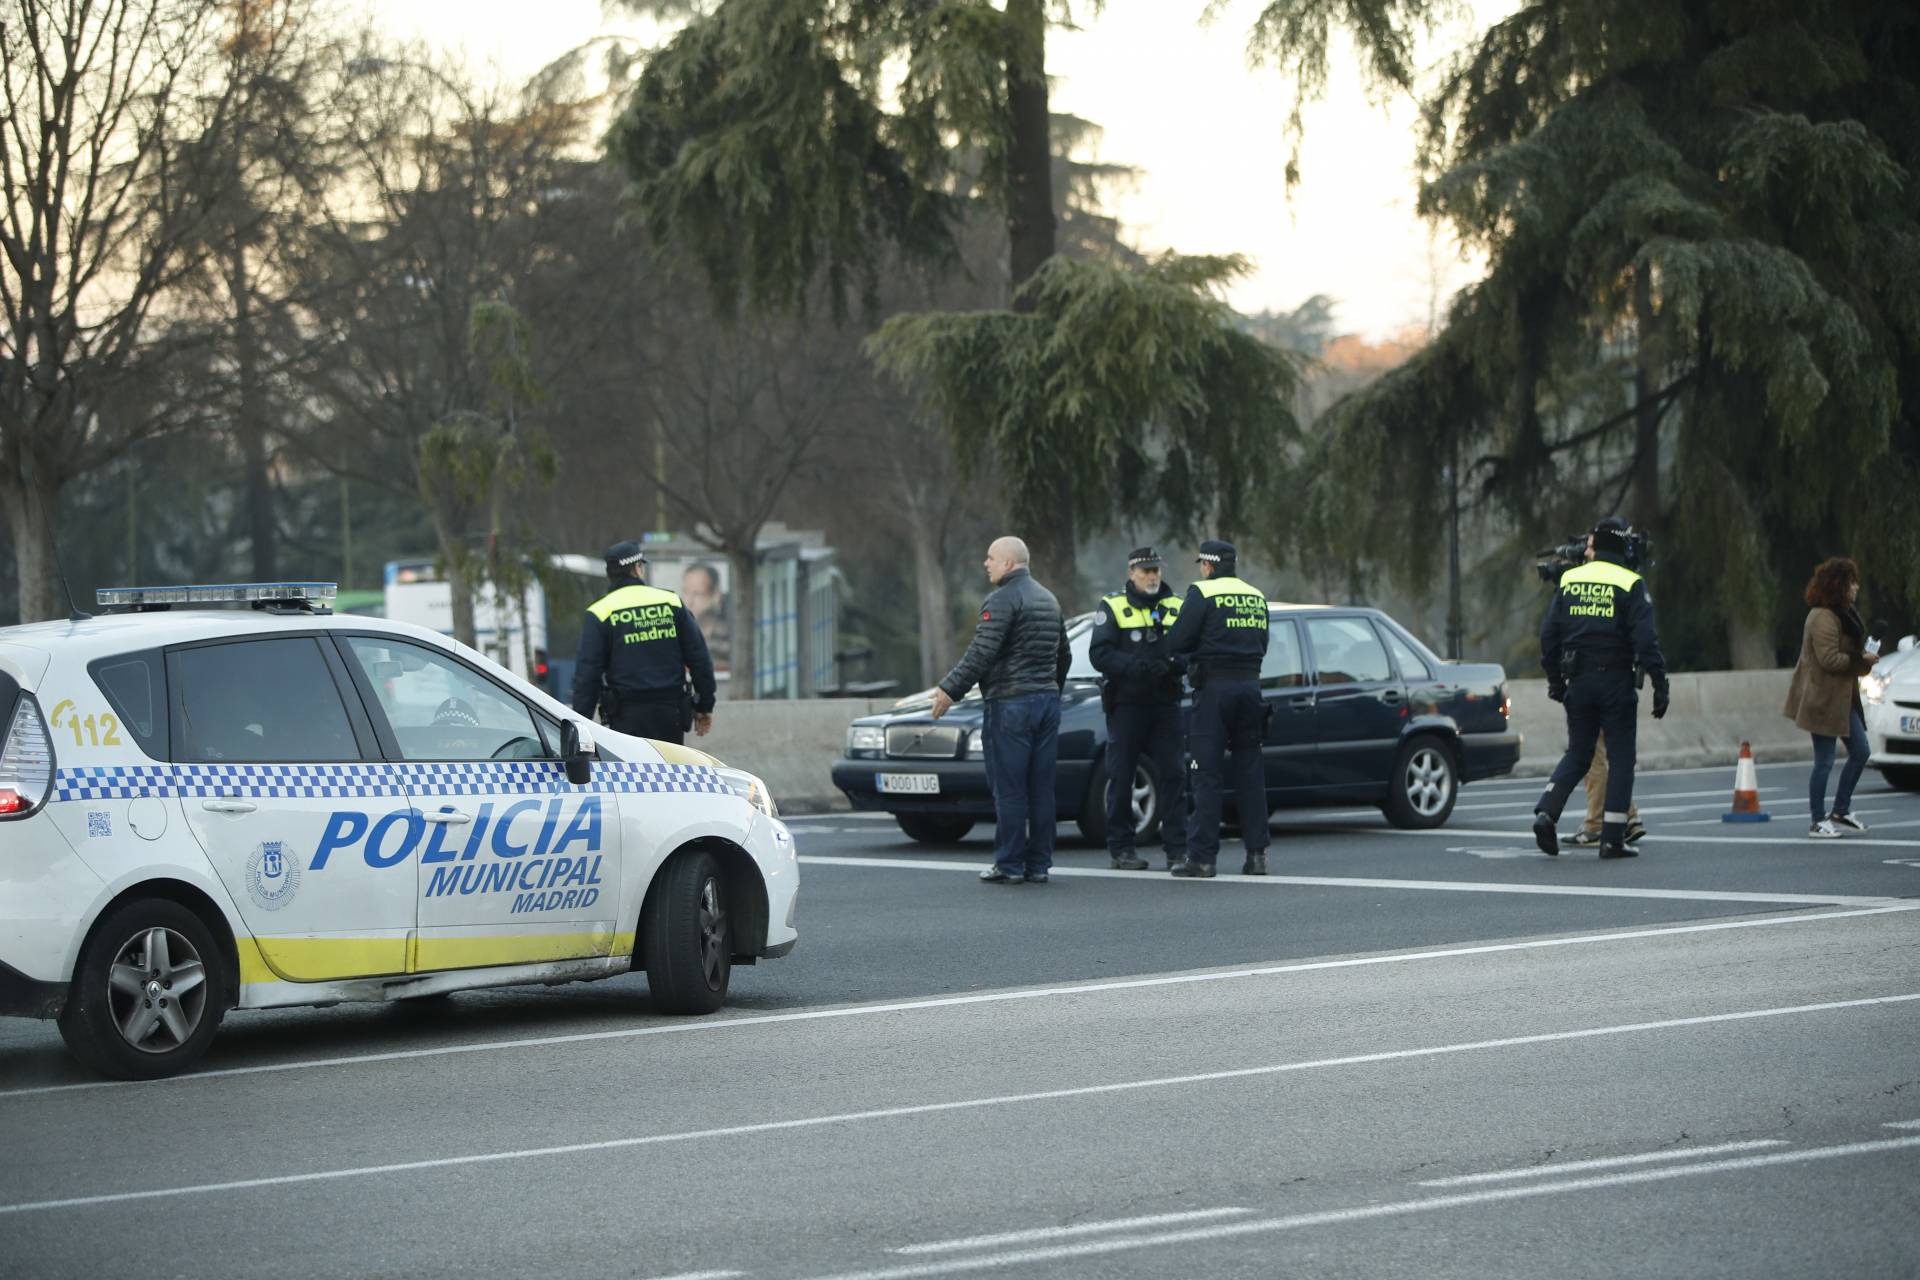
<point x="1847" y="820"/>
<point x="1823" y="830"/>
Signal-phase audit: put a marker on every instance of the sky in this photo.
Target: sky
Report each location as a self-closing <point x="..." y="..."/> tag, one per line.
<point x="1177" y="100"/>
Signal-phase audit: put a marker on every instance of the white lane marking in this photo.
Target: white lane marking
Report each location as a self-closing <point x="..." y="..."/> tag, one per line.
<point x="1784" y="816"/>
<point x="1528" y="835"/>
<point x="987" y="997"/>
<point x="703" y="1275"/>
<point x="966" y="1104"/>
<point x="1338" y="1217"/>
<point x="1902" y="1124"/>
<point x="1368" y="882"/>
<point x="1659" y="798"/>
<point x="1064" y="1233"/>
<point x="1609" y="1162"/>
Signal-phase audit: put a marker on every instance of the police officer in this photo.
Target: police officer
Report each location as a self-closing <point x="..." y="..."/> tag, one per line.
<point x="638" y="647"/>
<point x="1141" y="695"/>
<point x="1597" y="632"/>
<point x="1222" y="629"/>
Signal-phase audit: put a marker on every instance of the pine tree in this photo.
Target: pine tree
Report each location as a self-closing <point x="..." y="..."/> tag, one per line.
<point x="1702" y="222"/>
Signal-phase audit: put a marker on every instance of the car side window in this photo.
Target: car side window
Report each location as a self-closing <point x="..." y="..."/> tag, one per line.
<point x="1412" y="665"/>
<point x="259" y="702"/>
<point x="1282" y="668"/>
<point x="440" y="709"/>
<point x="1346" y="651"/>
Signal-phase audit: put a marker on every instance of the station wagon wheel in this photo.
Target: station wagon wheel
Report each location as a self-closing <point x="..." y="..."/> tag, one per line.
<point x="686" y="934"/>
<point x="149" y="992"/>
<point x="1424" y="784"/>
<point x="1146" y="805"/>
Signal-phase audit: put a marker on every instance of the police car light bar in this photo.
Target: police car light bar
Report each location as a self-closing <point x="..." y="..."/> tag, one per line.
<point x="308" y="593"/>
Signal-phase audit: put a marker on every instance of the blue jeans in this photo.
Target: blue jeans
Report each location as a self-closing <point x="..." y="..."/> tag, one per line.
<point x="1823" y="747"/>
<point x="1023" y="735"/>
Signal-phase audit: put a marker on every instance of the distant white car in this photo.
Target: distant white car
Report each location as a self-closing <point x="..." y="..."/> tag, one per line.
<point x="1890" y="695"/>
<point x="203" y="810"/>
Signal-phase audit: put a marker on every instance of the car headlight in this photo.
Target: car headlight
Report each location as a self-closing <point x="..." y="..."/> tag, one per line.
<point x="750" y="789"/>
<point x="1872" y="689"/>
<point x="866" y="739"/>
<point x="977" y="745"/>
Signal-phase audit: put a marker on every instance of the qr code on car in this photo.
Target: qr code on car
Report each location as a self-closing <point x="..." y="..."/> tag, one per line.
<point x="99" y="824"/>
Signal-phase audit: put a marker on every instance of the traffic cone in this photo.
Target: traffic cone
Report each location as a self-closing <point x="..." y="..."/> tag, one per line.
<point x="1746" y="791"/>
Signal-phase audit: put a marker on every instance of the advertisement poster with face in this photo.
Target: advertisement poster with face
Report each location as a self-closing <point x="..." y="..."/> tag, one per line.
<point x="703" y="586"/>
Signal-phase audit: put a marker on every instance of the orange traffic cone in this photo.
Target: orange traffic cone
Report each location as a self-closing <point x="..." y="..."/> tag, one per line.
<point x="1746" y="791"/>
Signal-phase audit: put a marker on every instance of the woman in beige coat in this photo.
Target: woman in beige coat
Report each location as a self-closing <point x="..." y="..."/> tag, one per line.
<point x="1824" y="698"/>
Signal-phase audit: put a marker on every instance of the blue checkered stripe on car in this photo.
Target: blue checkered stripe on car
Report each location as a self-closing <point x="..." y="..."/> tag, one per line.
<point x="344" y="781"/>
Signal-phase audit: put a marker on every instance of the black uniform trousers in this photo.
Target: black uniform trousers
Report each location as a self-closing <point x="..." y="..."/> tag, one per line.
<point x="1229" y="718"/>
<point x="1151" y="729"/>
<point x="1598" y="701"/>
<point x="661" y="721"/>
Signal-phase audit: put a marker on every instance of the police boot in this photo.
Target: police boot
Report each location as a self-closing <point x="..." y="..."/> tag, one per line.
<point x="1191" y="870"/>
<point x="1617" y="849"/>
<point x="1546" y="835"/>
<point x="1129" y="861"/>
<point x="1256" y="865"/>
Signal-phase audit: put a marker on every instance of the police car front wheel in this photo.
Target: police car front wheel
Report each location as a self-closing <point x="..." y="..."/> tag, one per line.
<point x="687" y="935"/>
<point x="149" y="992"/>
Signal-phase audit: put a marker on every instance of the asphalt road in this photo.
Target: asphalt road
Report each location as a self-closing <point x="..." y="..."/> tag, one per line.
<point x="1403" y="1054"/>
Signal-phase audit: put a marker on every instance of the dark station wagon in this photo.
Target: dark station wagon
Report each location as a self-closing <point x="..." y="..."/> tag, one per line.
<point x="1361" y="713"/>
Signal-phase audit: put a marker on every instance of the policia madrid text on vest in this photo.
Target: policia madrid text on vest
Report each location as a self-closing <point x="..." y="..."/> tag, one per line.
<point x="639" y="646"/>
<point x="1222" y="629"/>
<point x="1140" y="692"/>
<point x="1598" y="631"/>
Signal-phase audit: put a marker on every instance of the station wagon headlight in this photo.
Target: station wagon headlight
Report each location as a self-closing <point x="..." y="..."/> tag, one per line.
<point x="750" y="789"/>
<point x="26" y="762"/>
<point x="866" y="740"/>
<point x="977" y="745"/>
<point x="1872" y="689"/>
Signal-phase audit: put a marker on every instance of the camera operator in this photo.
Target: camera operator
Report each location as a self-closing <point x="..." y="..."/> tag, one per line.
<point x="1596" y="639"/>
<point x="1560" y="559"/>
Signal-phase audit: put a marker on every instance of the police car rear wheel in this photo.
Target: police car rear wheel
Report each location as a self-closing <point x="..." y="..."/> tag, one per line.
<point x="149" y="992"/>
<point x="1424" y="786"/>
<point x="688" y="935"/>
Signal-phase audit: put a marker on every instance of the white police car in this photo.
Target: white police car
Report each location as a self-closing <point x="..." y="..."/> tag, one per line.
<point x="214" y="809"/>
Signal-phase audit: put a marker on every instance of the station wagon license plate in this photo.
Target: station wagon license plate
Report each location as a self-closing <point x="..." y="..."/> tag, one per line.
<point x="909" y="784"/>
<point x="1910" y="724"/>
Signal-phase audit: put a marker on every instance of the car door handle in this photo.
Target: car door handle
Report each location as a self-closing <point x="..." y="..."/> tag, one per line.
<point x="1390" y="696"/>
<point x="448" y="818"/>
<point x="228" y="806"/>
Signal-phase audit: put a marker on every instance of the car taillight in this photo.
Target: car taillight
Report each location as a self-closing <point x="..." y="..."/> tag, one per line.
<point x="1506" y="706"/>
<point x="26" y="762"/>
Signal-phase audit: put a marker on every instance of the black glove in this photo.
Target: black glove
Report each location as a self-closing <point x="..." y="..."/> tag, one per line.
<point x="1660" y="694"/>
<point x="1557" y="690"/>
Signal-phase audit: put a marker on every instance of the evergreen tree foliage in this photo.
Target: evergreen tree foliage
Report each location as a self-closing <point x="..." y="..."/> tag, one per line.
<point x="1122" y="393"/>
<point x="1702" y="222"/>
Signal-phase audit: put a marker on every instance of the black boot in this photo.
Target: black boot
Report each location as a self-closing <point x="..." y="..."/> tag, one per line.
<point x="1129" y="861"/>
<point x="1545" y="835"/>
<point x="1617" y="849"/>
<point x="1256" y="865"/>
<point x="1191" y="870"/>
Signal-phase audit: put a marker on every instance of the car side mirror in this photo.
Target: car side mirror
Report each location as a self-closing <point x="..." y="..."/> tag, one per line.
<point x="577" y="751"/>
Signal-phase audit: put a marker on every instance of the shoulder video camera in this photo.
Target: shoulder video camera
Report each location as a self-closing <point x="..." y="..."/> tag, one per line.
<point x="1554" y="561"/>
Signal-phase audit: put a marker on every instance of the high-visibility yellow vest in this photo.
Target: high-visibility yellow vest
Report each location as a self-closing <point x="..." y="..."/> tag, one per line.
<point x="1128" y="618"/>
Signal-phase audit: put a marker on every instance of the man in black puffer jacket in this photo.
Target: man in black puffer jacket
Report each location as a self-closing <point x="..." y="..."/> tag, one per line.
<point x="1019" y="658"/>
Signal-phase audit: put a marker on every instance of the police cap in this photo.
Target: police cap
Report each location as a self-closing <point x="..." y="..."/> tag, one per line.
<point x="622" y="556"/>
<point x="1214" y="551"/>
<point x="1144" y="558"/>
